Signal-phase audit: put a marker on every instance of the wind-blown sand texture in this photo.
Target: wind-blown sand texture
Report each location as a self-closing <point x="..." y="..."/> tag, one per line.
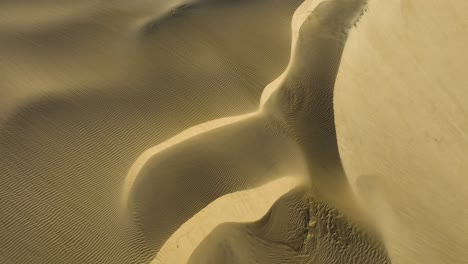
<point x="233" y="131"/>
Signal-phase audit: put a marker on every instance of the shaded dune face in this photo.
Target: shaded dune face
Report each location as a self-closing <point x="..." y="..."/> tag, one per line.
<point x="297" y="229"/>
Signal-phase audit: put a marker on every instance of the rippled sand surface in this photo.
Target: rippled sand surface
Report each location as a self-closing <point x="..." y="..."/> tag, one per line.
<point x="233" y="131"/>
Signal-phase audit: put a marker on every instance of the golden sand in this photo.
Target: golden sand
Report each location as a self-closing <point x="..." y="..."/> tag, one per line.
<point x="178" y="131"/>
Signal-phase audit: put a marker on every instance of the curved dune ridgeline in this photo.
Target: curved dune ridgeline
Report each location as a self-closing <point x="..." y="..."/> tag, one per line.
<point x="293" y="134"/>
<point x="233" y="131"/>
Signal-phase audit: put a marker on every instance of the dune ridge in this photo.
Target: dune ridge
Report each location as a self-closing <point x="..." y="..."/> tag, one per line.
<point x="296" y="121"/>
<point x="161" y="131"/>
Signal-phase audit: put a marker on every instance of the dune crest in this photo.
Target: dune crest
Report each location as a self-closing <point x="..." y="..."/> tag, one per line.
<point x="233" y="131"/>
<point x="297" y="121"/>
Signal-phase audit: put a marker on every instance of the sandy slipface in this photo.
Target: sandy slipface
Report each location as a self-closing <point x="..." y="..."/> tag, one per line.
<point x="124" y="125"/>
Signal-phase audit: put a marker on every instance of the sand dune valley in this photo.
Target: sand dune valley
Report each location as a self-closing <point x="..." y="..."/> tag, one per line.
<point x="234" y="131"/>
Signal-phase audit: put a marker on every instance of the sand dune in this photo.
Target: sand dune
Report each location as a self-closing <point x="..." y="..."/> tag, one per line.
<point x="126" y="125"/>
<point x="185" y="178"/>
<point x="86" y="96"/>
<point x="298" y="120"/>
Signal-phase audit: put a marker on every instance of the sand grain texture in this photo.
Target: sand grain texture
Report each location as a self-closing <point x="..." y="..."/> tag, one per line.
<point x="233" y="131"/>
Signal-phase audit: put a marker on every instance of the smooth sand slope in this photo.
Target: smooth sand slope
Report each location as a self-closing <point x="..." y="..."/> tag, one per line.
<point x="401" y="114"/>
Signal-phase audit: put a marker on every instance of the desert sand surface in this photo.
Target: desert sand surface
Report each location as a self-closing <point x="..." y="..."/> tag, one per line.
<point x="233" y="131"/>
